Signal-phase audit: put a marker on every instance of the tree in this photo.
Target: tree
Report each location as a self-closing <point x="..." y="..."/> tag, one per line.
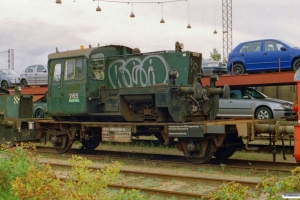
<point x="215" y="55"/>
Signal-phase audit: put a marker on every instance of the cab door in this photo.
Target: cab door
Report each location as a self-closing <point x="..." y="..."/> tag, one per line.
<point x="54" y="99"/>
<point x="74" y="86"/>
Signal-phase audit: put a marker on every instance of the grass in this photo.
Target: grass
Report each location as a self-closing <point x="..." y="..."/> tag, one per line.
<point x="149" y="182"/>
<point x="186" y="169"/>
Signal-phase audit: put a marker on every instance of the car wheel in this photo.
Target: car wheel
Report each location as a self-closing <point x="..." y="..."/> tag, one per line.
<point x="238" y="68"/>
<point x="39" y="113"/>
<point x="263" y="113"/>
<point x="4" y="85"/>
<point x="23" y="83"/>
<point x="296" y="65"/>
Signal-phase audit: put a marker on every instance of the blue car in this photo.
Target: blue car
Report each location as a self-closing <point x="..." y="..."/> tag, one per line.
<point x="262" y="56"/>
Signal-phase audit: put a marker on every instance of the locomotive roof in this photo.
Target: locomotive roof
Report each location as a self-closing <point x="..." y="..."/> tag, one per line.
<point x="80" y="52"/>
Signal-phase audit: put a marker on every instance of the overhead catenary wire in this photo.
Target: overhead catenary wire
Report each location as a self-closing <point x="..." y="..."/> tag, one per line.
<point x="128" y="2"/>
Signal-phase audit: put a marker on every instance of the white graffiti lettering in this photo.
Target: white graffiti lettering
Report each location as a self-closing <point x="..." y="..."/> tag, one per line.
<point x="136" y="72"/>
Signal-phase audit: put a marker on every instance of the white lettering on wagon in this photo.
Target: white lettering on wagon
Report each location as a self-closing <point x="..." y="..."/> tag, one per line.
<point x="116" y="134"/>
<point x="182" y="129"/>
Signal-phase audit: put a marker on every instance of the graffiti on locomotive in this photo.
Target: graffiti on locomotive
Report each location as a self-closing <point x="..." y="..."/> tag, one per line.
<point x="134" y="71"/>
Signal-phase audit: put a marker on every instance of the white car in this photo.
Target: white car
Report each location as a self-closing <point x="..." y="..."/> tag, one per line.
<point x="8" y="78"/>
<point x="245" y="102"/>
<point x="34" y="75"/>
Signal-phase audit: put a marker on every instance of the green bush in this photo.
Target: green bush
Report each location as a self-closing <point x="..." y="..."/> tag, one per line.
<point x="15" y="163"/>
<point x="22" y="177"/>
<point x="274" y="186"/>
<point x="230" y="190"/>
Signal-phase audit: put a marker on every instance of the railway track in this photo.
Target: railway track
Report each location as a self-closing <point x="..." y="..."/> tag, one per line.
<point x="255" y="166"/>
<point x="264" y="145"/>
<point x="190" y="181"/>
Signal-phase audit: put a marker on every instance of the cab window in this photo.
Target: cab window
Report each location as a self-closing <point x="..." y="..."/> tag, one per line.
<point x="75" y="69"/>
<point x="97" y="66"/>
<point x="57" y="72"/>
<point x="80" y="69"/>
<point x="69" y="70"/>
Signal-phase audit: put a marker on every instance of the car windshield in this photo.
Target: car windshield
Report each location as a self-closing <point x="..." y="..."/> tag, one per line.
<point x="255" y="94"/>
<point x="8" y="72"/>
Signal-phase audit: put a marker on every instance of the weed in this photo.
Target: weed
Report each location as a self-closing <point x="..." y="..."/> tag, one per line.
<point x="274" y="185"/>
<point x="150" y="182"/>
<point x="123" y="163"/>
<point x="172" y="198"/>
<point x="16" y="164"/>
<point x="22" y="177"/>
<point x="186" y="169"/>
<point x="222" y="166"/>
<point x="200" y="169"/>
<point x="229" y="190"/>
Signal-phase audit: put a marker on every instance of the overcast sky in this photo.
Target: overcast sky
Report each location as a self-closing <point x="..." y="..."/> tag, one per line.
<point x="34" y="28"/>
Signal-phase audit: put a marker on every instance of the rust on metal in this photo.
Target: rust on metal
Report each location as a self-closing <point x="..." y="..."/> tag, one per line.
<point x="34" y="90"/>
<point x="263" y="79"/>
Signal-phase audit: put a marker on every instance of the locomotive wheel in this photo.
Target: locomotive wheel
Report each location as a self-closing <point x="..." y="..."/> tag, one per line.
<point x="223" y="153"/>
<point x="91" y="144"/>
<point x="195" y="157"/>
<point x="64" y="143"/>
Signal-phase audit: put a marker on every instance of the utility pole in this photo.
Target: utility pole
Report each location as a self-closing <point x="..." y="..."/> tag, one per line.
<point x="227" y="28"/>
<point x="11" y="59"/>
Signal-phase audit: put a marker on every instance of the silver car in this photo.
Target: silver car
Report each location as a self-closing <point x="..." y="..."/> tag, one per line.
<point x="9" y="78"/>
<point x="245" y="102"/>
<point x="34" y="75"/>
<point x="213" y="67"/>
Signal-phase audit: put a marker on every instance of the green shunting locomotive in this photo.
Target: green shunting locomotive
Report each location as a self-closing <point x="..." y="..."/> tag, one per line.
<point x="117" y="83"/>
